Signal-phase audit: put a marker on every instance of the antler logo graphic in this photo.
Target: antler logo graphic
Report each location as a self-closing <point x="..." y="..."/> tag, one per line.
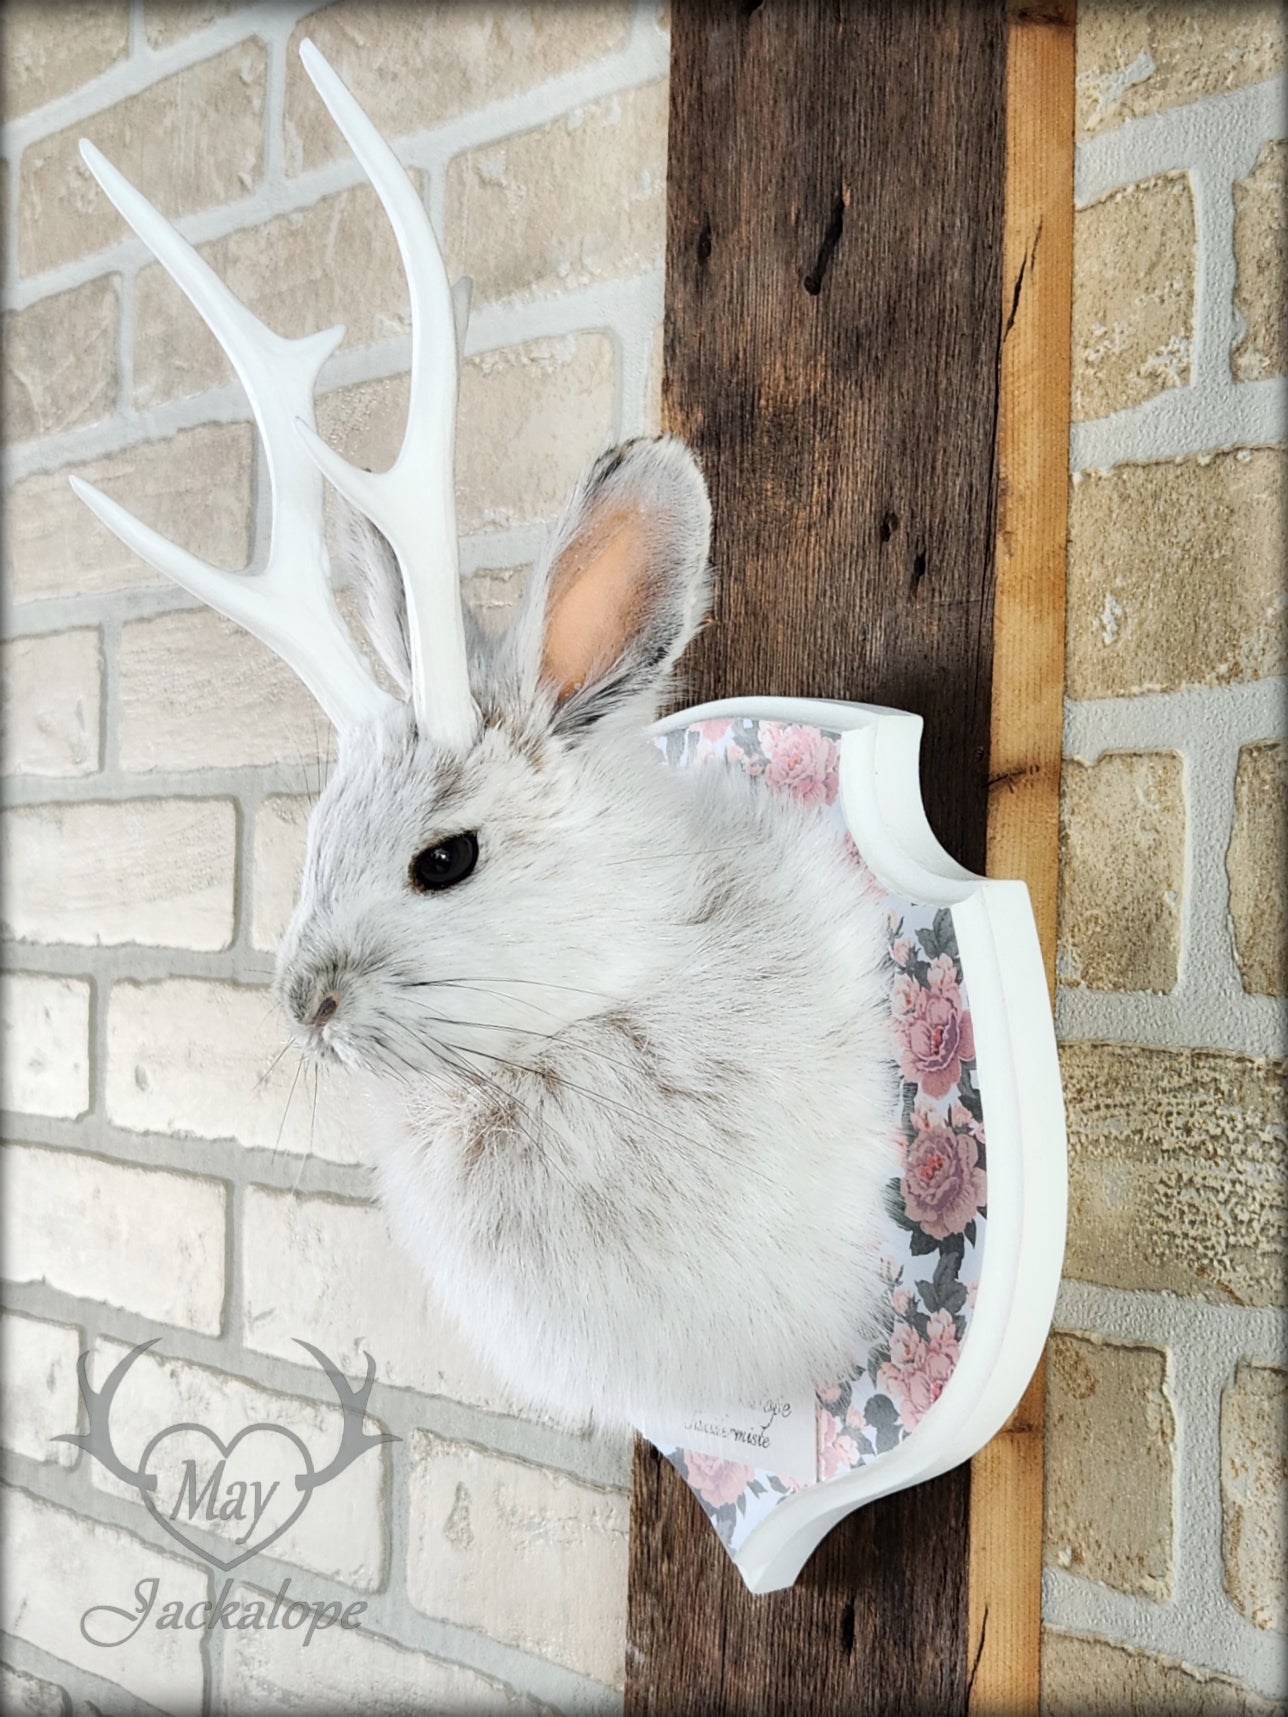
<point x="248" y="1490"/>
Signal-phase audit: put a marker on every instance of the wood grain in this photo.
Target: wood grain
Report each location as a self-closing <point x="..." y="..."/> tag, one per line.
<point x="1005" y="1609"/>
<point x="834" y="275"/>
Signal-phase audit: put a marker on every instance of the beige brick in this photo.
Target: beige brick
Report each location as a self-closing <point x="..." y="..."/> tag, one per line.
<point x="189" y="142"/>
<point x="335" y="262"/>
<point x="1110" y="1432"/>
<point x="575" y="202"/>
<point x="341" y="1531"/>
<point x="41" y="1397"/>
<point x="24" y="1696"/>
<point x="60" y="361"/>
<point x="195" y="1059"/>
<point x="1177" y="1171"/>
<point x="1254" y="1485"/>
<point x="58" y="1566"/>
<point x="1122" y="831"/>
<point x="1133" y="296"/>
<point x="169" y="21"/>
<point x="1261" y="253"/>
<point x="493" y="594"/>
<point x="280" y="825"/>
<point x="143" y="1240"/>
<point x="1135" y="59"/>
<point x="1256" y="863"/>
<point x="653" y="387"/>
<point x="529" y="1556"/>
<point x="414" y="65"/>
<point x="1084" y="1677"/>
<point x="355" y="1671"/>
<point x="196" y="692"/>
<point x="376" y="1301"/>
<point x="52" y="50"/>
<point x="1174" y="574"/>
<point x="50" y="697"/>
<point x="44" y="1044"/>
<point x="153" y="871"/>
<point x="194" y="489"/>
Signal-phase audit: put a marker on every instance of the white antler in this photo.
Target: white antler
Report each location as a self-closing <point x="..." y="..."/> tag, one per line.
<point x="414" y="502"/>
<point x="288" y="605"/>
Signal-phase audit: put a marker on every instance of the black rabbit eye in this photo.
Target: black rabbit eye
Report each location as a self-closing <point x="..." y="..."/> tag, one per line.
<point x="446" y="862"/>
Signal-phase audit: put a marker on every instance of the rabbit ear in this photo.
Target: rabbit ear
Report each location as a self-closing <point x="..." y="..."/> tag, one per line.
<point x="624" y="586"/>
<point x="367" y="556"/>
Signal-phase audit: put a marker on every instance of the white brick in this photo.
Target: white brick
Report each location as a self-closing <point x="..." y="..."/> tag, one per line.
<point x="41" y="1397"/>
<point x="58" y="1567"/>
<point x="199" y="693"/>
<point x="193" y="1059"/>
<point x="144" y="1240"/>
<point x="51" y="691"/>
<point x="350" y="1670"/>
<point x="280" y="825"/>
<point x="341" y="1532"/>
<point x="328" y="1266"/>
<point x="152" y="871"/>
<point x="23" y="1696"/>
<point x="44" y="1027"/>
<point x="529" y="1556"/>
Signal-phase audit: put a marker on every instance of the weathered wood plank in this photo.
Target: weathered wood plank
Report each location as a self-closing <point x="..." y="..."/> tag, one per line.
<point x="834" y="256"/>
<point x="1005" y="1610"/>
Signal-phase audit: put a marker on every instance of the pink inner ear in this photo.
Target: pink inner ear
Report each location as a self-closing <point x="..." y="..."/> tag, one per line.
<point x="596" y="600"/>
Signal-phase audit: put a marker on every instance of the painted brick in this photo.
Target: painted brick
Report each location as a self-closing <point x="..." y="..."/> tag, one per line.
<point x="1216" y="524"/>
<point x="1133" y="296"/>
<point x="548" y="404"/>
<point x="437" y="62"/>
<point x="44" y="1044"/>
<point x="1254" y="1484"/>
<point x="1084" y="1677"/>
<point x="188" y="142"/>
<point x="328" y="1266"/>
<point x="1261" y="254"/>
<point x="24" y="1696"/>
<point x="41" y="1397"/>
<point x="194" y="489"/>
<point x="1109" y="1452"/>
<point x="341" y="1531"/>
<point x="145" y="1240"/>
<point x="169" y="21"/>
<point x="50" y="701"/>
<point x="575" y="202"/>
<point x="351" y="1671"/>
<point x="196" y="1060"/>
<point x="280" y="825"/>
<point x="153" y="871"/>
<point x="1137" y="58"/>
<point x="60" y="361"/>
<point x="1178" y="1171"/>
<point x="529" y="1556"/>
<point x="335" y="262"/>
<point x="1122" y="830"/>
<point x="493" y="594"/>
<point x="196" y="692"/>
<point x="58" y="1566"/>
<point x="50" y="51"/>
<point x="1256" y="864"/>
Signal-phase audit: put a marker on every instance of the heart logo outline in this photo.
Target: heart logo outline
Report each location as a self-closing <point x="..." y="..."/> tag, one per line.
<point x="225" y="1449"/>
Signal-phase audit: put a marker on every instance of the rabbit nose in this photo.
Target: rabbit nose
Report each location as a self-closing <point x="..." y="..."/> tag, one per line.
<point x="325" y="1009"/>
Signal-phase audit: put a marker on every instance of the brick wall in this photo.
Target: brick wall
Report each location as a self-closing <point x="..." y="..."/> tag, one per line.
<point x="159" y="765"/>
<point x="1165" y="1543"/>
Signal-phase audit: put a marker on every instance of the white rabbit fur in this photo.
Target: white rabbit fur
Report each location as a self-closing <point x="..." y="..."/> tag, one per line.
<point x="636" y="1093"/>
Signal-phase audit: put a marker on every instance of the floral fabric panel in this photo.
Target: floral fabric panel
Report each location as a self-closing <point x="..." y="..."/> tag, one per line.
<point x="935" y="1242"/>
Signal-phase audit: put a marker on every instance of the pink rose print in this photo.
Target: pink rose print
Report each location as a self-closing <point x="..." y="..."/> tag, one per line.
<point x="901" y="1300"/>
<point x="837" y="1453"/>
<point x="933" y="1027"/>
<point x="717" y="1481"/>
<point x="943" y="1185"/>
<point x="713" y="731"/>
<point x="802" y="761"/>
<point x="900" y="950"/>
<point x="919" y="1367"/>
<point x="829" y="1393"/>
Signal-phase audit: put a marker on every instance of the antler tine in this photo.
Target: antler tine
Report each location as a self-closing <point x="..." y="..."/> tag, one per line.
<point x="289" y="604"/>
<point x="414" y="502"/>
